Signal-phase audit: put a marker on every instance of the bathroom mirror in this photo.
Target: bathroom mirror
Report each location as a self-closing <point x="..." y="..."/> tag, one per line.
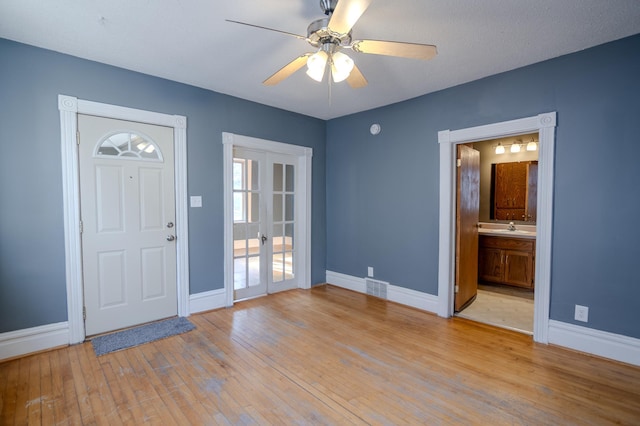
<point x="488" y="166"/>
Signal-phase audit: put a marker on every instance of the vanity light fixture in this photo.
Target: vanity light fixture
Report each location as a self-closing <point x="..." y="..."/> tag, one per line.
<point x="516" y="147"/>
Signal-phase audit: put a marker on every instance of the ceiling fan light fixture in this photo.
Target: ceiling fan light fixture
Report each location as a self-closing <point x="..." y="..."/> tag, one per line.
<point x="316" y="64"/>
<point x="341" y="66"/>
<point x="332" y="33"/>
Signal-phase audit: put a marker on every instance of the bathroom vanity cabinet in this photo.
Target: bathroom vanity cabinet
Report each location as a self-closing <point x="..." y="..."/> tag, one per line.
<point x="507" y="260"/>
<point x="515" y="191"/>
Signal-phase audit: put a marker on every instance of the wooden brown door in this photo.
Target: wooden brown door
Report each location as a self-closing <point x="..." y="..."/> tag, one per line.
<point x="467" y="211"/>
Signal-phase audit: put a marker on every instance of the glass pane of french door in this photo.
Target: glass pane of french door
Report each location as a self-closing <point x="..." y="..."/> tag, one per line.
<point x="248" y="270"/>
<point x="283" y="220"/>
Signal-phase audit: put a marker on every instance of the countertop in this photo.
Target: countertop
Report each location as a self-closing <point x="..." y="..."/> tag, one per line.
<point x="502" y="230"/>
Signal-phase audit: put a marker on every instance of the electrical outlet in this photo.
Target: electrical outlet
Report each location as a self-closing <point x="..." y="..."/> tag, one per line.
<point x="582" y="313"/>
<point x="370" y="271"/>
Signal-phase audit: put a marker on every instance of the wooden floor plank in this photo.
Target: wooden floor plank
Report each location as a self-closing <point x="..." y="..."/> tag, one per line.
<point x="47" y="393"/>
<point x="186" y="402"/>
<point x="160" y="396"/>
<point x="322" y="356"/>
<point x="69" y="401"/>
<point x="119" y="394"/>
<point x="34" y="400"/>
<point x="54" y="402"/>
<point x="188" y="378"/>
<point x="9" y="390"/>
<point x="135" y="383"/>
<point x="22" y="393"/>
<point x="91" y="407"/>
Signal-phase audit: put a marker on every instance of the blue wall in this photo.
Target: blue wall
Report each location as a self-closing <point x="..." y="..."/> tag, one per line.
<point x="382" y="191"/>
<point x="32" y="271"/>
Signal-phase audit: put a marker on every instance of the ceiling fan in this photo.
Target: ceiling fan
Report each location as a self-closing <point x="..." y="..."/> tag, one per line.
<point x="330" y="35"/>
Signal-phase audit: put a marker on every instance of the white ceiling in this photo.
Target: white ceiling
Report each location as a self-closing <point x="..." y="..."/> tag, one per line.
<point x="190" y="42"/>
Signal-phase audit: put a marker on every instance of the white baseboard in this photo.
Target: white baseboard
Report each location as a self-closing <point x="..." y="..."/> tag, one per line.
<point x="346" y="281"/>
<point x="416" y="299"/>
<point x="22" y="342"/>
<point x="207" y="301"/>
<point x="596" y="342"/>
<point x="404" y="296"/>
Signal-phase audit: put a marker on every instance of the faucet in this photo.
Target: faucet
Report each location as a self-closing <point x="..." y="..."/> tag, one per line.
<point x="512" y="226"/>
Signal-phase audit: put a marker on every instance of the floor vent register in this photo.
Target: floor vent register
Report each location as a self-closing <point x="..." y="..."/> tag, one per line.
<point x="376" y="288"/>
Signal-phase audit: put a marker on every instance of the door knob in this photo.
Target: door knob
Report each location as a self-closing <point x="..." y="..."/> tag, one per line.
<point x="171" y="237"/>
<point x="264" y="239"/>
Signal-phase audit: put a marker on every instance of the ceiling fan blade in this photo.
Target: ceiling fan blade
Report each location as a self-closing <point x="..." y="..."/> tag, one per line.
<point x="346" y="14"/>
<point x="356" y="80"/>
<point x="267" y="28"/>
<point x="395" y="48"/>
<point x="287" y="70"/>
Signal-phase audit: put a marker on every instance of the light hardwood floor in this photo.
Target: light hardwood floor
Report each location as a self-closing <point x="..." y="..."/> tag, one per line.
<point x="323" y="356"/>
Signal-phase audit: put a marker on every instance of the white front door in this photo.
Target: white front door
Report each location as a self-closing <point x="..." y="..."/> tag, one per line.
<point x="264" y="222"/>
<point x="127" y="207"/>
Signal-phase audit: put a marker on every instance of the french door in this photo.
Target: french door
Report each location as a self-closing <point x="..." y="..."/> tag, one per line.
<point x="264" y="222"/>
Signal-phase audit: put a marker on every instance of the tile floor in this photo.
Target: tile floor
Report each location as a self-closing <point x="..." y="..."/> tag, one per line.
<point x="503" y="308"/>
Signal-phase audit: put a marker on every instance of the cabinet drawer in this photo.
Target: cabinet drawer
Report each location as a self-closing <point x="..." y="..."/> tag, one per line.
<point x="507" y="243"/>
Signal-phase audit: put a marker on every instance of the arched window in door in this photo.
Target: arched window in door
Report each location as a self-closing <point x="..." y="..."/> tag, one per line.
<point x="128" y="145"/>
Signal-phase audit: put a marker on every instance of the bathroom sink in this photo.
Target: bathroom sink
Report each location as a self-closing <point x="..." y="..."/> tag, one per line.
<point x="507" y="232"/>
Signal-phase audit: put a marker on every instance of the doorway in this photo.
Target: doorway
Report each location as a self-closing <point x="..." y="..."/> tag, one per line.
<point x="544" y="126"/>
<point x="267" y="205"/>
<point x="69" y="108"/>
<point x="502" y="288"/>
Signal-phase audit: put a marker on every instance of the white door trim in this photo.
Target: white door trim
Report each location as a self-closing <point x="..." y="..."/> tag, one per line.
<point x="303" y="180"/>
<point x="544" y="124"/>
<point x="70" y="107"/>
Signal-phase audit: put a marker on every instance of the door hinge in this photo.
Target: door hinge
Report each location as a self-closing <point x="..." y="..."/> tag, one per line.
<point x="84" y="313"/>
<point x="81" y="227"/>
<point x="459" y="162"/>
<point x="77" y="137"/>
<point x="456" y="289"/>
